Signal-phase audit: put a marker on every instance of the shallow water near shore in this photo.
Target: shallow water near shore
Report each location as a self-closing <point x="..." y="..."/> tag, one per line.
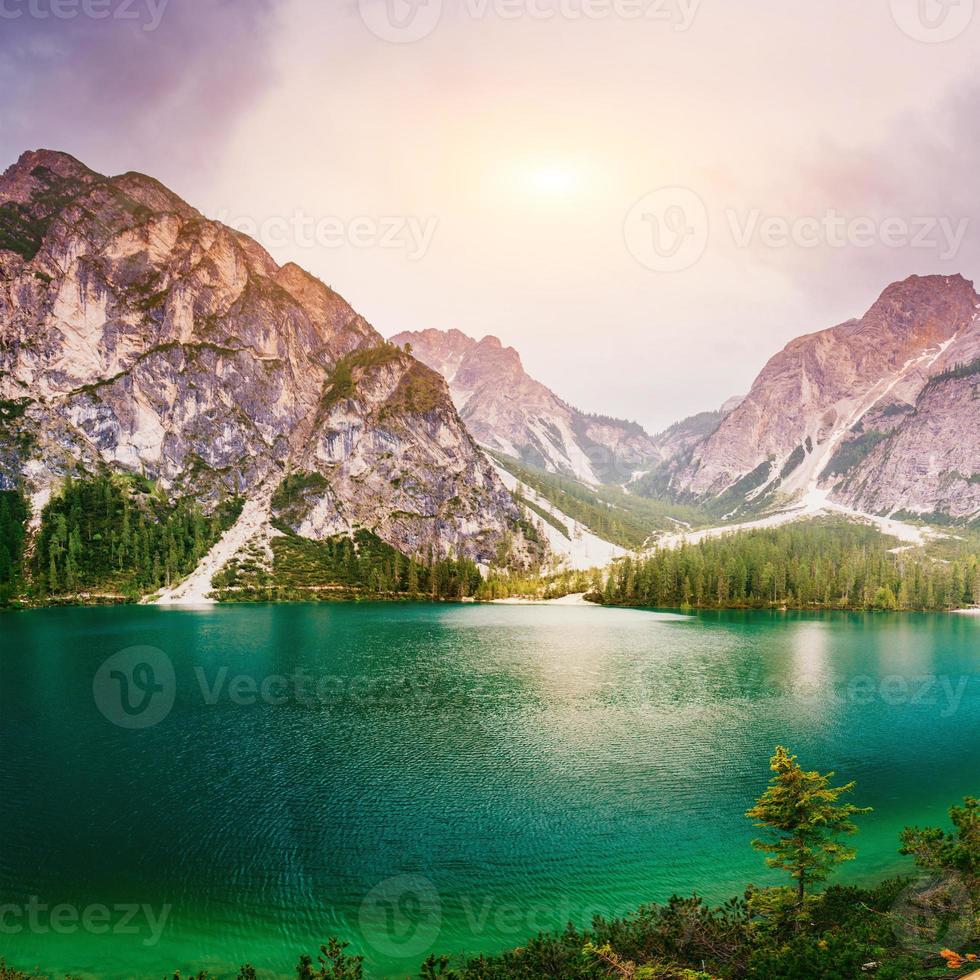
<point x="419" y="778"/>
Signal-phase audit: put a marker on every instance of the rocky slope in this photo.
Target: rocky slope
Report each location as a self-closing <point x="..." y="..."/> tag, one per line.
<point x="683" y="435"/>
<point x="510" y="411"/>
<point x="863" y="413"/>
<point x="928" y="463"/>
<point x="138" y="335"/>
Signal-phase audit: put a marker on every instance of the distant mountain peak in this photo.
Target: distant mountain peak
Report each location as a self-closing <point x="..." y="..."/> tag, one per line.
<point x="508" y="410"/>
<point x="57" y="161"/>
<point x="852" y="411"/>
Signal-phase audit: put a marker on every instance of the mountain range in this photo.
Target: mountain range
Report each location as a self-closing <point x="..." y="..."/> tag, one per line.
<point x="139" y="337"/>
<point x="878" y="414"/>
<point x="508" y="410"/>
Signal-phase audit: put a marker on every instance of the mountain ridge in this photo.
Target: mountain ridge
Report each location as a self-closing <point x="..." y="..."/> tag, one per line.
<point x="861" y="416"/>
<point x="817" y="396"/>
<point x="137" y="335"/>
<point x="508" y="410"/>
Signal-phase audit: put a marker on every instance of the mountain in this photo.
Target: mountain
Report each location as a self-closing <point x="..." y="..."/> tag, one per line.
<point x="878" y="413"/>
<point x="137" y="335"/>
<point x="508" y="410"/>
<point x="681" y="436"/>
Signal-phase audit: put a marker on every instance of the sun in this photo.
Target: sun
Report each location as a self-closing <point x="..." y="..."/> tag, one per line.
<point x="553" y="181"/>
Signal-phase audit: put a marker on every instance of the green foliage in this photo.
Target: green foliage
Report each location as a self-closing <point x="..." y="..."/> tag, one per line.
<point x="503" y="584"/>
<point x="801" y="811"/>
<point x="334" y="964"/>
<point x="734" y="497"/>
<point x="608" y="511"/>
<point x="370" y="357"/>
<point x="817" y="564"/>
<point x="342" y="382"/>
<point x="840" y="953"/>
<point x="966" y="370"/>
<point x="10" y="411"/>
<point x="950" y="853"/>
<point x="420" y="390"/>
<point x="14" y="513"/>
<point x="118" y="537"/>
<point x="630" y="427"/>
<point x="615" y="965"/>
<point x="289" y="500"/>
<point x="852" y="451"/>
<point x="9" y="973"/>
<point x="545" y="515"/>
<point x="342" y="567"/>
<point x="892" y="409"/>
<point x="795" y="458"/>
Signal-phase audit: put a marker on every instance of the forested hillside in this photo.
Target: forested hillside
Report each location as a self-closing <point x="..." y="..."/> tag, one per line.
<point x="341" y="567"/>
<point x="121" y="535"/>
<point x="822" y="564"/>
<point x="104" y="538"/>
<point x="607" y="511"/>
<point x="112" y="538"/>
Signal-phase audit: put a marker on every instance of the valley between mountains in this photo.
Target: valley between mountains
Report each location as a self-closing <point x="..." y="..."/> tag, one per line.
<point x="238" y="430"/>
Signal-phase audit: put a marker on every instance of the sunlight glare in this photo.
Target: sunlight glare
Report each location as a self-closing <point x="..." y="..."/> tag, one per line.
<point x="553" y="181"/>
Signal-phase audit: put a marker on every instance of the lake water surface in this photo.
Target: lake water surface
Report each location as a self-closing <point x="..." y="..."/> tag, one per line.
<point x="432" y="778"/>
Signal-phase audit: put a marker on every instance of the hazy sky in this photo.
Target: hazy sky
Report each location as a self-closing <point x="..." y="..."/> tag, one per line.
<point x="646" y="197"/>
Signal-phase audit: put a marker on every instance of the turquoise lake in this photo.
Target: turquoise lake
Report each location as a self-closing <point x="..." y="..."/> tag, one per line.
<point x="200" y="788"/>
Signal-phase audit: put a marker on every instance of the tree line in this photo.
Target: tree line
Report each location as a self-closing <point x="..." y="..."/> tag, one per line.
<point x="343" y="566"/>
<point x="815" y="564"/>
<point x="121" y="536"/>
<point x="13" y="518"/>
<point x="113" y="535"/>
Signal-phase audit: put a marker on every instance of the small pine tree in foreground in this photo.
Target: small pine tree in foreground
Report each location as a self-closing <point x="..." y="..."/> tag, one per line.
<point x="800" y="809"/>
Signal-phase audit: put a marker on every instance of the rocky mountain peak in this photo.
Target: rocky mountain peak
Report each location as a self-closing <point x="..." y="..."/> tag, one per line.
<point x="138" y="336"/>
<point x="509" y="411"/>
<point x="828" y="399"/>
<point x="921" y="310"/>
<point x="23" y="181"/>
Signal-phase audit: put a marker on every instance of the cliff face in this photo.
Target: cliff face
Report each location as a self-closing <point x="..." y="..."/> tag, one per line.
<point x="507" y="409"/>
<point x="805" y="423"/>
<point x="929" y="463"/>
<point x="137" y="334"/>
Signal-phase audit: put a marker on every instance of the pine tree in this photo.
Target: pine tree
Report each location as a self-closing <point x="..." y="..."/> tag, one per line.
<point x="956" y="853"/>
<point x="801" y="811"/>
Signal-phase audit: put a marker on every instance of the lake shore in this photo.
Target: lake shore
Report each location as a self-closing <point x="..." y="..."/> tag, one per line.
<point x="574" y="599"/>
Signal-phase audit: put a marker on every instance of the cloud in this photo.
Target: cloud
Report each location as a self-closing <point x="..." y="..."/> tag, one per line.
<point x="249" y="110"/>
<point x="156" y="85"/>
<point x="920" y="177"/>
